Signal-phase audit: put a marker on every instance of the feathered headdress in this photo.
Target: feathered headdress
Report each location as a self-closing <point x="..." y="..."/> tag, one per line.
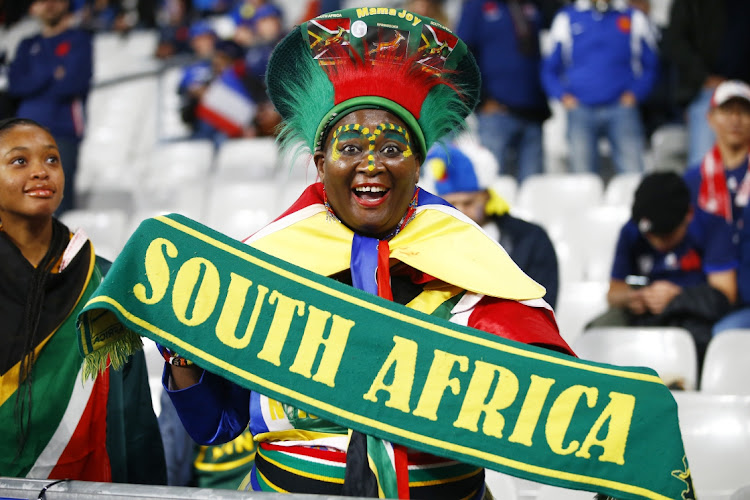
<point x="372" y="57"/>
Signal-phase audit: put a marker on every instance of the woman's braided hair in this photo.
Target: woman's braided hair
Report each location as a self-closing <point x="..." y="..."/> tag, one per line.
<point x="35" y="295"/>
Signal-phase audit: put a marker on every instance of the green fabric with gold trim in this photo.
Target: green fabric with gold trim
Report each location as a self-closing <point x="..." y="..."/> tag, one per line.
<point x="413" y="379"/>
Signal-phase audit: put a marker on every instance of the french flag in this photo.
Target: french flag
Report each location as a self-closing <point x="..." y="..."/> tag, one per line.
<point x="227" y="105"/>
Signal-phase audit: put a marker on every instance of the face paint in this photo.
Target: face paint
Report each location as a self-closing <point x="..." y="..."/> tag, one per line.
<point x="395" y="132"/>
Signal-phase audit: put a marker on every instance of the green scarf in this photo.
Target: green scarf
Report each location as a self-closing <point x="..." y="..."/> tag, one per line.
<point x="385" y="370"/>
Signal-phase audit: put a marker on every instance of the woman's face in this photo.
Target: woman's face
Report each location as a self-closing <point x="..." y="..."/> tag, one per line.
<point x="31" y="175"/>
<point x="369" y="170"/>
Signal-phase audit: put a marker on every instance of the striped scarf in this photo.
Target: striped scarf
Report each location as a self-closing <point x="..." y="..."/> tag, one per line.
<point x="713" y="195"/>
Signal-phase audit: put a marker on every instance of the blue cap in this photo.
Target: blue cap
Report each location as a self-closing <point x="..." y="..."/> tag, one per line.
<point x="265" y="10"/>
<point x="201" y="28"/>
<point x="452" y="171"/>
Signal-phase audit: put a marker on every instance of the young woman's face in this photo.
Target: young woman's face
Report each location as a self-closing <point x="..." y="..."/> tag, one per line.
<point x="369" y="170"/>
<point x="31" y="175"/>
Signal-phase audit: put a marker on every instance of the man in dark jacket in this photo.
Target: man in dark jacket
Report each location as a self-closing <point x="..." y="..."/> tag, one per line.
<point x="674" y="265"/>
<point x="463" y="177"/>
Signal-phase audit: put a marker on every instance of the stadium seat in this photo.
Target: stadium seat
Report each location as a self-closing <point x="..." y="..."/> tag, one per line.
<point x="180" y="161"/>
<point x="238" y="209"/>
<point x="507" y="187"/>
<point x="554" y="137"/>
<point x="716" y="435"/>
<point x="170" y="125"/>
<point x="500" y="485"/>
<point x="597" y="238"/>
<point x="726" y="367"/>
<point x="570" y="260"/>
<point x="621" y="188"/>
<point x="577" y="304"/>
<point x="105" y="228"/>
<point x="547" y="492"/>
<point x="669" y="144"/>
<point x="247" y="159"/>
<point x="186" y="197"/>
<point x="742" y="493"/>
<point x="670" y="351"/>
<point x="551" y="197"/>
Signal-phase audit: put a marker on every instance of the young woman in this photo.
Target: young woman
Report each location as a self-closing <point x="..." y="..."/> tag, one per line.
<point x="55" y="426"/>
<point x="369" y="117"/>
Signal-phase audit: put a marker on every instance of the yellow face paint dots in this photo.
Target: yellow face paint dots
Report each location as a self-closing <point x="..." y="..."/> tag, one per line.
<point x="391" y="131"/>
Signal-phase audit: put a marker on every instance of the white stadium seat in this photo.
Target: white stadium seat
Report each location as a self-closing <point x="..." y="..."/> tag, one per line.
<point x="670" y="351"/>
<point x="247" y="158"/>
<point x="716" y="435"/>
<point x="577" y="304"/>
<point x="621" y="189"/>
<point x="551" y="197"/>
<point x="726" y="367"/>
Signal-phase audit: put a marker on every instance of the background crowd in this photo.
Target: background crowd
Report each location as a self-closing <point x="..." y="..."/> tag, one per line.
<point x="604" y="81"/>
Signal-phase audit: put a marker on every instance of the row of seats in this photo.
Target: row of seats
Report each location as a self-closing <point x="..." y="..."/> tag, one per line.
<point x="670" y="351"/>
<point x="714" y="421"/>
<point x="716" y="436"/>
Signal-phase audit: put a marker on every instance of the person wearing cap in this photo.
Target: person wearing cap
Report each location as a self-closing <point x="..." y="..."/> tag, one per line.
<point x="368" y="106"/>
<point x="720" y="184"/>
<point x="674" y="265"/>
<point x="603" y="63"/>
<point x="706" y="42"/>
<point x="463" y="176"/>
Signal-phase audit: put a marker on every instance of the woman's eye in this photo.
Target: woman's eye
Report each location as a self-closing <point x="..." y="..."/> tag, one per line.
<point x="18" y="161"/>
<point x="53" y="159"/>
<point x="391" y="150"/>
<point x="349" y="149"/>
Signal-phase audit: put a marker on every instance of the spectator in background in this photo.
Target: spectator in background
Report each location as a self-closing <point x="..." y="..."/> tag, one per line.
<point x="720" y="184"/>
<point x="258" y="36"/>
<point x="196" y="76"/>
<point x="464" y="176"/>
<point x="674" y="265"/>
<point x="603" y="63"/>
<point x="504" y="37"/>
<point x="708" y="41"/>
<point x="174" y="30"/>
<point x="245" y="10"/>
<point x="233" y="105"/>
<point x="51" y="76"/>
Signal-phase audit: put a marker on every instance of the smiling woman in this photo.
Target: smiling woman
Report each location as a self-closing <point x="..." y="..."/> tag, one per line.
<point x="54" y="426"/>
<point x="368" y="91"/>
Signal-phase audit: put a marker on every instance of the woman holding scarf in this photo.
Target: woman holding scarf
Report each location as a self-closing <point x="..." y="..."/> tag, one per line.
<point x="368" y="91"/>
<point x="55" y="426"/>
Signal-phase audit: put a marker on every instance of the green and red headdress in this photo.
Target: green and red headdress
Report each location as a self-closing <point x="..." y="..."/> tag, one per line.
<point x="372" y="57"/>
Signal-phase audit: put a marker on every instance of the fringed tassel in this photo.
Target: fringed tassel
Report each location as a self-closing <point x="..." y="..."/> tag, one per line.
<point x="114" y="354"/>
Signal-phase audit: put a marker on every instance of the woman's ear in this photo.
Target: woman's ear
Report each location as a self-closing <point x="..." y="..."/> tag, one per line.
<point x="320" y="160"/>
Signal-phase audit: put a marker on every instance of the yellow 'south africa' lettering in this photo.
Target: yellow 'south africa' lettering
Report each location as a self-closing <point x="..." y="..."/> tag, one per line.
<point x="196" y="294"/>
<point x="493" y="389"/>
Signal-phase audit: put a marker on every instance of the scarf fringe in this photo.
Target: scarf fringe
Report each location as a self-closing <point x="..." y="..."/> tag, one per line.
<point x="114" y="354"/>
